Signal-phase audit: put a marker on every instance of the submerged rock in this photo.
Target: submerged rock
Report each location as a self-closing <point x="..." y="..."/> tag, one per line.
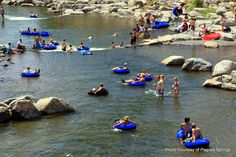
<point x="197" y="64"/>
<point x="211" y="44"/>
<point x="24" y="110"/>
<point x="223" y="67"/>
<point x="173" y="61"/>
<point x="53" y="105"/>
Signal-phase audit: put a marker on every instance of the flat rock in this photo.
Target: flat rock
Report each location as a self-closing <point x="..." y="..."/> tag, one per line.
<point x="53" y="105"/>
<point x="173" y="61"/>
<point x="212" y="83"/>
<point x="197" y="64"/>
<point x="211" y="44"/>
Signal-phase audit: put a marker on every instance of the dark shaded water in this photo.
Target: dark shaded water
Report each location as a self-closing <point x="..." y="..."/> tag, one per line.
<point x="89" y="131"/>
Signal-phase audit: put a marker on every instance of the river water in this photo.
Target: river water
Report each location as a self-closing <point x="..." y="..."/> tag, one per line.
<point x="88" y="132"/>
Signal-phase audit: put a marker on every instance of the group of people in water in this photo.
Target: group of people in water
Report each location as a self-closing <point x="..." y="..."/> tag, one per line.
<point x="191" y="131"/>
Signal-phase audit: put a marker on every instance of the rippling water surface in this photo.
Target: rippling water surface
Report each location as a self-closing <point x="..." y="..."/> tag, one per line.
<point x="88" y="132"/>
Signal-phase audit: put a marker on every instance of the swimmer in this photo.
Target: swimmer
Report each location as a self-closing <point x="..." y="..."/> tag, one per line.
<point x="70" y="49"/>
<point x="63" y="45"/>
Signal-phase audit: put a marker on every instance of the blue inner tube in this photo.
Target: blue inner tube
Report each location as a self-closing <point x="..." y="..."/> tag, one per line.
<point x="147" y="77"/>
<point x="85" y="52"/>
<point x="29" y="33"/>
<point x="49" y="47"/>
<point x="128" y="126"/>
<point x="176" y="11"/>
<point x="45" y="33"/>
<point x="161" y="24"/>
<point x="85" y="48"/>
<point x="55" y="43"/>
<point x="121" y="71"/>
<point x="30" y="74"/>
<point x="198" y="143"/>
<point x="137" y="84"/>
<point x="33" y="16"/>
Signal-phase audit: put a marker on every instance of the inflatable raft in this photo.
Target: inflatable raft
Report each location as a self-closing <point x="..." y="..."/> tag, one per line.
<point x="198" y="143"/>
<point x="129" y="126"/>
<point x="30" y="74"/>
<point x="160" y="24"/>
<point x="137" y="84"/>
<point x="100" y="93"/>
<point x="119" y="70"/>
<point x="211" y="36"/>
<point x="49" y="47"/>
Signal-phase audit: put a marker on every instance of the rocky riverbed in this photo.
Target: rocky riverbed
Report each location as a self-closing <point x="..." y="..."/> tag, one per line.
<point x="223" y="75"/>
<point x="161" y="9"/>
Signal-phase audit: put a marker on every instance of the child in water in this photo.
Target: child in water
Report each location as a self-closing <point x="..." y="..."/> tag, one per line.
<point x="175" y="87"/>
<point x="112" y="44"/>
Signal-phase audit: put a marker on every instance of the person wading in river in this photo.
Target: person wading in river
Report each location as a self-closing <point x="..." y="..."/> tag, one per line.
<point x="2" y="12"/>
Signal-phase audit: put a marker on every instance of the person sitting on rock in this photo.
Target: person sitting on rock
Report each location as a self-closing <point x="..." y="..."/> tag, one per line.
<point x="223" y="22"/>
<point x="20" y="45"/>
<point x="185" y="26"/>
<point x="180" y="9"/>
<point x="192" y="25"/>
<point x="10" y="50"/>
<point x="203" y="30"/>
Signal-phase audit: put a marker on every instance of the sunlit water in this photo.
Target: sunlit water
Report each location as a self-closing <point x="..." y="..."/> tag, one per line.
<point x="88" y="132"/>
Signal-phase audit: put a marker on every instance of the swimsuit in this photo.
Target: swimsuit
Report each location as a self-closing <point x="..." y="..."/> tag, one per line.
<point x="38" y="45"/>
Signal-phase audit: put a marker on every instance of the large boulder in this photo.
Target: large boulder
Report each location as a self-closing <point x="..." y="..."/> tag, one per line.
<point x="173" y="61"/>
<point x="88" y="9"/>
<point x="197" y="64"/>
<point x="233" y="74"/>
<point x="4" y="114"/>
<point x="211" y="44"/>
<point x="212" y="83"/>
<point x="24" y="110"/>
<point x="221" y="10"/>
<point x="223" y="67"/>
<point x="53" y="105"/>
<point x="228" y="86"/>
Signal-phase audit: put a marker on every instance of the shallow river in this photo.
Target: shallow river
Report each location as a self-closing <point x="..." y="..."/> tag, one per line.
<point x="88" y="132"/>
